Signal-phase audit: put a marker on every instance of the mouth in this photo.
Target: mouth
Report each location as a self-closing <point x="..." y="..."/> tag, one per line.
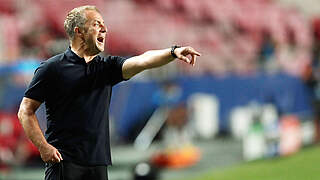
<point x="100" y="39"/>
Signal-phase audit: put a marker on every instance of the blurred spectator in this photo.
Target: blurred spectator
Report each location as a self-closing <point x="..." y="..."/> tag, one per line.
<point x="312" y="76"/>
<point x="266" y="52"/>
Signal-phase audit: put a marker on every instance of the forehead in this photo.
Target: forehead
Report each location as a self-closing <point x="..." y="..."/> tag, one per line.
<point x="93" y="15"/>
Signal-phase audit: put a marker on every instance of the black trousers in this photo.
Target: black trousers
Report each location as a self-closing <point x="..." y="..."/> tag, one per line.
<point x="72" y="171"/>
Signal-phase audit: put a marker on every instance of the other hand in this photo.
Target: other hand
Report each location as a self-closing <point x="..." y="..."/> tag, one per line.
<point x="183" y="52"/>
<point x="50" y="154"/>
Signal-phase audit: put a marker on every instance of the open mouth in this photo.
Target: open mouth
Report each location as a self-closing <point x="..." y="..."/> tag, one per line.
<point x="100" y="39"/>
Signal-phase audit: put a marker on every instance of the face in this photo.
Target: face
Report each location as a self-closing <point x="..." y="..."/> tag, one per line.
<point x="94" y="33"/>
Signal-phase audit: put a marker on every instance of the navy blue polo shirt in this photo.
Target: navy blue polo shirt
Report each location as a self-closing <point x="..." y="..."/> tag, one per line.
<point x="77" y="98"/>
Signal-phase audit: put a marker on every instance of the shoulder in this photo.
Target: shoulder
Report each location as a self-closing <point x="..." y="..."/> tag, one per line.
<point x="50" y="64"/>
<point x="55" y="59"/>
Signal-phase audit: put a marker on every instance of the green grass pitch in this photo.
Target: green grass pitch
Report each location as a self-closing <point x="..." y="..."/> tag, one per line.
<point x="301" y="166"/>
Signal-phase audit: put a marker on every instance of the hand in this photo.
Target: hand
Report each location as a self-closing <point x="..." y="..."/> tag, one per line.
<point x="50" y="154"/>
<point x="183" y="52"/>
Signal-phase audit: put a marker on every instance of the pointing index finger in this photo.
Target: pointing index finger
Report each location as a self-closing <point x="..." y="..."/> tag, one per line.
<point x="196" y="53"/>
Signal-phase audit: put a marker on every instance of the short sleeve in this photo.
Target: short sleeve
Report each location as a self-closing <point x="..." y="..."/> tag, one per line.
<point x="39" y="84"/>
<point x="114" y="65"/>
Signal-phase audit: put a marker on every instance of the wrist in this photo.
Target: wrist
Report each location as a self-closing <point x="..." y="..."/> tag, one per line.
<point x="43" y="146"/>
<point x="173" y="48"/>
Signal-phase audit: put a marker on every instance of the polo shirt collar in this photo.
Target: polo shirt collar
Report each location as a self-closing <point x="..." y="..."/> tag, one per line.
<point x="73" y="57"/>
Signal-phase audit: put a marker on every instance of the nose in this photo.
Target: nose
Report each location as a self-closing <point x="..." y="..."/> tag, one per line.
<point x="103" y="28"/>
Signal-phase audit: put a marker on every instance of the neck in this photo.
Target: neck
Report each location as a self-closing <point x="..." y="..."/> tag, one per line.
<point x="81" y="51"/>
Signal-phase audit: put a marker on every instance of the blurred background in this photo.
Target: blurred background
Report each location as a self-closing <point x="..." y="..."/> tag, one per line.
<point x="249" y="109"/>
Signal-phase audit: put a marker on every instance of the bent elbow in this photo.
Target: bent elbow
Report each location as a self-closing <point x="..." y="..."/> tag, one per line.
<point x="27" y="109"/>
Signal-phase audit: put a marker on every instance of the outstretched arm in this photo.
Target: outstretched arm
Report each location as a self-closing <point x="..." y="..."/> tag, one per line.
<point x="157" y="58"/>
<point x="30" y="124"/>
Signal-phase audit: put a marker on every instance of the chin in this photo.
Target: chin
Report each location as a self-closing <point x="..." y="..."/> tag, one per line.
<point x="100" y="47"/>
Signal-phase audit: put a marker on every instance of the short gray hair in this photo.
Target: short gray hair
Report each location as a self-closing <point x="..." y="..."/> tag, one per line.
<point x="76" y="18"/>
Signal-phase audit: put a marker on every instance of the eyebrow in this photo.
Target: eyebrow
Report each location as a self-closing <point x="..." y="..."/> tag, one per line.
<point x="98" y="21"/>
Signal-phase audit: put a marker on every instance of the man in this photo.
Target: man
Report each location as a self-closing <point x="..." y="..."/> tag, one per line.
<point x="76" y="88"/>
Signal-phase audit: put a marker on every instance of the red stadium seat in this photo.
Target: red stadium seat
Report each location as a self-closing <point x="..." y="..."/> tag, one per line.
<point x="8" y="7"/>
<point x="56" y="11"/>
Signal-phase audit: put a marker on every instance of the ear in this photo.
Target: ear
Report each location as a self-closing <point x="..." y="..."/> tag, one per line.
<point x="78" y="31"/>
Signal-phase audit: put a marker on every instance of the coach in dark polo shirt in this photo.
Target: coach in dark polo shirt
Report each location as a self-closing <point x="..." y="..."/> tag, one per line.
<point x="76" y="88"/>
